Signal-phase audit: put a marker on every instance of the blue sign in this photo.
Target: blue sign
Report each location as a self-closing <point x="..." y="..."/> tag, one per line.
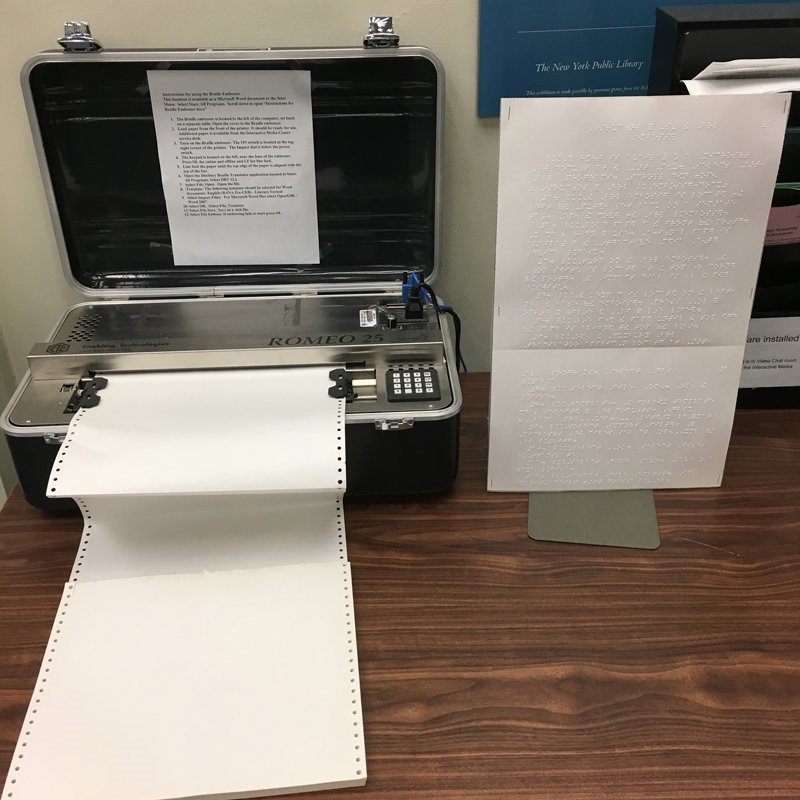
<point x="581" y="48"/>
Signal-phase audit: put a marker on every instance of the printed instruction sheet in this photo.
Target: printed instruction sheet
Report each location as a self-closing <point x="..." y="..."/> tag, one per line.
<point x="629" y="237"/>
<point x="236" y="149"/>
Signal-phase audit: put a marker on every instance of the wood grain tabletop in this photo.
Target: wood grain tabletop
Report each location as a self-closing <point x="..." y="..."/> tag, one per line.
<point x="493" y="666"/>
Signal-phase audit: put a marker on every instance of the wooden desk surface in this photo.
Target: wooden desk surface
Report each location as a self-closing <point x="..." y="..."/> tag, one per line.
<point x="493" y="666"/>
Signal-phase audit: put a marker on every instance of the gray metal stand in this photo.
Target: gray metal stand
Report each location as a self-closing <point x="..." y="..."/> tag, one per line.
<point x="611" y="518"/>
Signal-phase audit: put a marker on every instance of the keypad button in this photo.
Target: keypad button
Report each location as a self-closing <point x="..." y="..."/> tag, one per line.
<point x="410" y="384"/>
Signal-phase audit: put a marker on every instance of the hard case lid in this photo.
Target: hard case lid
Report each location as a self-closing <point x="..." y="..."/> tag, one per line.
<point x="377" y="149"/>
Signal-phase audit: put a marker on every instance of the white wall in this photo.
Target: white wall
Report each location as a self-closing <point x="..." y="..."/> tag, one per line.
<point x="32" y="292"/>
<point x="7" y="476"/>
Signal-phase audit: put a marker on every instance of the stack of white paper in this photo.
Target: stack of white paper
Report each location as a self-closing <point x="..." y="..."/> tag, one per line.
<point x="747" y="76"/>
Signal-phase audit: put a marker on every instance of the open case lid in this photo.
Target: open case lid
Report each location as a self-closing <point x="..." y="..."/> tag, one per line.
<point x="377" y="150"/>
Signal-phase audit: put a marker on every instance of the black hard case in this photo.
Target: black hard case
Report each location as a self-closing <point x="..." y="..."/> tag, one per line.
<point x="377" y="126"/>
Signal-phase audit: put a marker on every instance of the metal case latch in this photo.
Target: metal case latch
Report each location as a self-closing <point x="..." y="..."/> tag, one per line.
<point x="394" y="424"/>
<point x="381" y="33"/>
<point x="78" y="38"/>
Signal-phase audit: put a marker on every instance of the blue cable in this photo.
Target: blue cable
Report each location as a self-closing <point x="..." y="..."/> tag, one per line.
<point x="413" y="280"/>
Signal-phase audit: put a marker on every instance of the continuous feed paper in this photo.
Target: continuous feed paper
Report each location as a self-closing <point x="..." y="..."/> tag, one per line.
<point x="205" y="432"/>
<point x="208" y="629"/>
<point x="629" y="235"/>
<point x="215" y="685"/>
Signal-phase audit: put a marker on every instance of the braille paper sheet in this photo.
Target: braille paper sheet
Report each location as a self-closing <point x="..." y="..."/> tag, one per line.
<point x="622" y="419"/>
<point x="629" y="235"/>
<point x="205" y="645"/>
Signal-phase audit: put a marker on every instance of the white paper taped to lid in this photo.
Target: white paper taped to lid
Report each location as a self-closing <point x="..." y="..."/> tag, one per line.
<point x="236" y="149"/>
<point x="226" y="685"/>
